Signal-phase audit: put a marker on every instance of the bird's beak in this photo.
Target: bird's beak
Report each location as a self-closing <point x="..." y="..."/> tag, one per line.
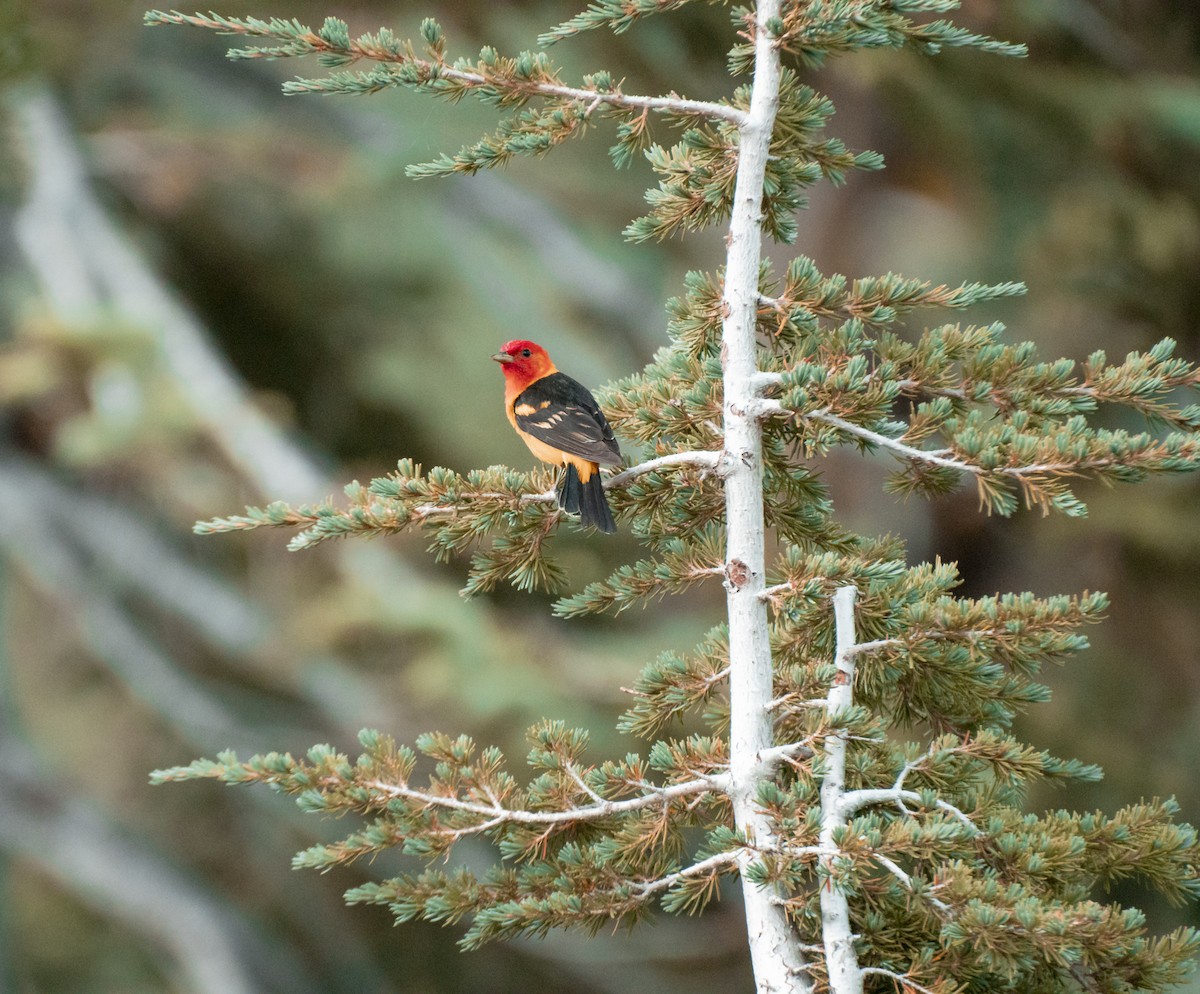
<point x="502" y="357"/>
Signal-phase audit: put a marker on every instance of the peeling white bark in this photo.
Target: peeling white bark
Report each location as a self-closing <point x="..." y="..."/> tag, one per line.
<point x="779" y="965"/>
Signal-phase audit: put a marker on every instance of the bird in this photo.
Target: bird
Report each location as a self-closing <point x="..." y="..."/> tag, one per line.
<point x="561" y="423"/>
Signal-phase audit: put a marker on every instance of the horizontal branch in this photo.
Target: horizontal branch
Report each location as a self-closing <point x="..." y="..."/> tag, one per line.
<point x="706" y="458"/>
<point x="861" y="647"/>
<point x="764" y="378"/>
<point x="896" y="794"/>
<point x="883" y="441"/>
<point x="422" y="511"/>
<point x="383" y="506"/>
<point x="720" y="860"/>
<point x="701" y="457"/>
<point x="854" y="800"/>
<point x="626" y="895"/>
<point x="802" y="852"/>
<point x="937" y="458"/>
<point x="771" y="594"/>
<point x="790" y="700"/>
<point x="662" y="105"/>
<point x="912" y="386"/>
<point x="499" y="815"/>
<point x="369" y="48"/>
<point x="905" y="981"/>
<point x="777" y="753"/>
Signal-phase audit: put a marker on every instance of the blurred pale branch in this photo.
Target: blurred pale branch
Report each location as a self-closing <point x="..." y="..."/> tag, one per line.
<point x="70" y="841"/>
<point x="87" y="269"/>
<point x="85" y="551"/>
<point x="30" y="537"/>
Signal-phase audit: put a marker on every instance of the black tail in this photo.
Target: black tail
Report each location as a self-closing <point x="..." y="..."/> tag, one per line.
<point x="586" y="499"/>
<point x="568" y="491"/>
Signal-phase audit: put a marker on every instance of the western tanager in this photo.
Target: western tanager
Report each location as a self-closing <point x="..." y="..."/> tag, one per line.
<point x="560" y="421"/>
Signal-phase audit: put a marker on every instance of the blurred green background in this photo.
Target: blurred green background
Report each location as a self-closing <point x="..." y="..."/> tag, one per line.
<point x="212" y="295"/>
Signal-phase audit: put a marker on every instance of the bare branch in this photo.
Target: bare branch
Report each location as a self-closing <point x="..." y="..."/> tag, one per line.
<point x="582" y="784"/>
<point x="772" y="594"/>
<point x="676" y="105"/>
<point x="422" y="511"/>
<point x="789" y="701"/>
<point x="710" y="865"/>
<point x="799" y="852"/>
<point x="501" y="815"/>
<point x="898" y="795"/>
<point x="702" y="457"/>
<point x="855" y="800"/>
<point x="772" y="756"/>
<point x="862" y="647"/>
<point x="903" y="979"/>
<point x="907" y="880"/>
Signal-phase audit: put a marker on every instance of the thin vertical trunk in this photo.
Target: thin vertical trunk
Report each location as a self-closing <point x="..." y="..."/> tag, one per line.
<point x="774" y="945"/>
<point x="845" y="977"/>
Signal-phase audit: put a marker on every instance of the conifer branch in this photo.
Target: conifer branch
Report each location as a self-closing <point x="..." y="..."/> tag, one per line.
<point x="681" y="565"/>
<point x="516" y="80"/>
<point x="934" y="458"/>
<point x="872" y="646"/>
<point x="583" y="784"/>
<point x="496" y="814"/>
<point x="709" y="867"/>
<point x="855" y="800"/>
<point x="702" y="458"/>
<point x="673" y="684"/>
<point x="1107" y="455"/>
<point x="460" y="510"/>
<point x="877" y="302"/>
<point x="791" y="700"/>
<point x="813" y="32"/>
<point x="332" y="522"/>
<point x="618" y="15"/>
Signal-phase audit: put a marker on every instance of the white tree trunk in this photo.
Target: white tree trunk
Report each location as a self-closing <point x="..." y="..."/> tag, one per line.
<point x="845" y="977"/>
<point x="779" y="964"/>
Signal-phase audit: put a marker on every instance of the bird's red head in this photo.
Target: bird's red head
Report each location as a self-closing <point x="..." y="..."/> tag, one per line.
<point x="523" y="361"/>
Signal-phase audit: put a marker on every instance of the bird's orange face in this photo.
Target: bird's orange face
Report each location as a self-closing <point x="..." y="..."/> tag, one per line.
<point x="524" y="361"/>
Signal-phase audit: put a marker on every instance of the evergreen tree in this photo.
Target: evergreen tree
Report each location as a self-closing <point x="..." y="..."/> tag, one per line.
<point x="845" y="744"/>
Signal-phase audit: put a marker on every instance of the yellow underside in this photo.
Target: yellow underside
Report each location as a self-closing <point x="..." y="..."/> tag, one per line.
<point x="555" y="457"/>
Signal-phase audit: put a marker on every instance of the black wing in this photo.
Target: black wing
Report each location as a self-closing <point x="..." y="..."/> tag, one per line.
<point x="561" y="412"/>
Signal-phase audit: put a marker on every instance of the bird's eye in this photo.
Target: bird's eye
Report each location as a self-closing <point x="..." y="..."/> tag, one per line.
<point x="526" y="353"/>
